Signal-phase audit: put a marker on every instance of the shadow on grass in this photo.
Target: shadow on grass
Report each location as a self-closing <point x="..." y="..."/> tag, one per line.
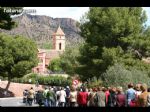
<point x="9" y="94"/>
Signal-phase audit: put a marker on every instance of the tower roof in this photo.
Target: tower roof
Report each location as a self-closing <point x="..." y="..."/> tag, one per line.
<point x="59" y="31"/>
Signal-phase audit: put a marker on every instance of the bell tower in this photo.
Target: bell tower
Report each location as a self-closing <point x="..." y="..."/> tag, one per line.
<point x="59" y="40"/>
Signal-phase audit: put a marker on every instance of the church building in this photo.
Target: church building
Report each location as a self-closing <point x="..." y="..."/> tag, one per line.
<point x="45" y="56"/>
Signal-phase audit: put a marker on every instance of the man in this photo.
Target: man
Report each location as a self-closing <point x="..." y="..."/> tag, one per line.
<point x="112" y="97"/>
<point x="31" y="96"/>
<point x="46" y="103"/>
<point x="67" y="96"/>
<point x="25" y="95"/>
<point x="82" y="98"/>
<point x="51" y="97"/>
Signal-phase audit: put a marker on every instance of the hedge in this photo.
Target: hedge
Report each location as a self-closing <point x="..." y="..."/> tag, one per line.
<point x="44" y="80"/>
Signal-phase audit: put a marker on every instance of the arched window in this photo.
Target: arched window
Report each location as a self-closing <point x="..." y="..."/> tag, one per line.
<point x="59" y="46"/>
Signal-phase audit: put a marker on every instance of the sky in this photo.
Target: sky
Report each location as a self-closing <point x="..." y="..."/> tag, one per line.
<point x="60" y="12"/>
<point x="69" y="12"/>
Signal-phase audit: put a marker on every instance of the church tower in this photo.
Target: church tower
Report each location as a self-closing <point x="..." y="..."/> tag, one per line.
<point x="59" y="40"/>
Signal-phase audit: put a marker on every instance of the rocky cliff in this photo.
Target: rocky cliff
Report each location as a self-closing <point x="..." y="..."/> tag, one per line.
<point x="40" y="28"/>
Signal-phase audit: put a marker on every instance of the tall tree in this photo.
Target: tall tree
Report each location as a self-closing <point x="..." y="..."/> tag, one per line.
<point x="119" y="30"/>
<point x="6" y="21"/>
<point x="68" y="59"/>
<point x="18" y="55"/>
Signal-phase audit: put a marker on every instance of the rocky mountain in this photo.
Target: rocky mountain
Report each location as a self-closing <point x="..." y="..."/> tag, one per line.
<point x="41" y="28"/>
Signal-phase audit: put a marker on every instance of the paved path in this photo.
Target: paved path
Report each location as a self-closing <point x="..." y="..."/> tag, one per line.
<point x="13" y="102"/>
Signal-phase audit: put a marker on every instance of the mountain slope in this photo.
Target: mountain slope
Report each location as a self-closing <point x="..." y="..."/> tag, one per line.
<point x="40" y="28"/>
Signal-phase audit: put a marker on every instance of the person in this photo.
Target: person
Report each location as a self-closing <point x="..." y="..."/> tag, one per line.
<point x="73" y="97"/>
<point x="62" y="98"/>
<point x="25" y="95"/>
<point x="35" y="99"/>
<point x="90" y="91"/>
<point x="142" y="99"/>
<point x="120" y="98"/>
<point x="130" y="95"/>
<point x="107" y="95"/>
<point x="58" y="96"/>
<point x="51" y="97"/>
<point x="31" y="96"/>
<point x="137" y="93"/>
<point x="91" y="98"/>
<point x="112" y="97"/>
<point x="100" y="98"/>
<point x="138" y="90"/>
<point x="67" y="96"/>
<point x="82" y="97"/>
<point x="40" y="97"/>
<point x="148" y="98"/>
<point x="46" y="103"/>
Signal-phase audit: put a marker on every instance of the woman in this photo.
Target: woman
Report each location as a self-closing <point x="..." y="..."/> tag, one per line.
<point x="73" y="97"/>
<point x="120" y="98"/>
<point x="91" y="98"/>
<point x="142" y="99"/>
<point x="148" y="98"/>
<point x="100" y="98"/>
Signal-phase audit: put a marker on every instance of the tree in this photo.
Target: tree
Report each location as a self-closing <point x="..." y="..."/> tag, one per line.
<point x="118" y="30"/>
<point x="55" y="65"/>
<point x="69" y="59"/>
<point x="6" y="21"/>
<point x="18" y="55"/>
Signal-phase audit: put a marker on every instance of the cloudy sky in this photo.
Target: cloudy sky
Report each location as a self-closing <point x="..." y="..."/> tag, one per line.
<point x="69" y="12"/>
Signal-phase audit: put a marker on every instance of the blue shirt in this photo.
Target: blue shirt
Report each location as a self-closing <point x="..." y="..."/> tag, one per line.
<point x="130" y="94"/>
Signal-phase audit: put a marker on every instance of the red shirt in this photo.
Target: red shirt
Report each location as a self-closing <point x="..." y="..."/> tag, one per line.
<point x="121" y="100"/>
<point x="82" y="98"/>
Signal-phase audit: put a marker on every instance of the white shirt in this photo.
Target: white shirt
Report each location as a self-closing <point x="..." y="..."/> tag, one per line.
<point x="62" y="95"/>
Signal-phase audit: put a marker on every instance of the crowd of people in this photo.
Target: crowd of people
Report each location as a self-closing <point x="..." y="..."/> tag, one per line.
<point x="134" y="96"/>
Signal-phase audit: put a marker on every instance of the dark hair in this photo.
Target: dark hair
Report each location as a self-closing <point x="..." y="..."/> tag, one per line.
<point x="130" y="85"/>
<point x="99" y="88"/>
<point x="31" y="87"/>
<point x="148" y="89"/>
<point x="94" y="89"/>
<point x="84" y="89"/>
<point x="62" y="88"/>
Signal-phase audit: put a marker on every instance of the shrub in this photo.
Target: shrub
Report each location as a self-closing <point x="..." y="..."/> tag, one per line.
<point x="44" y="80"/>
<point x="118" y="75"/>
<point x="140" y="76"/>
<point x="94" y="82"/>
<point x="30" y="76"/>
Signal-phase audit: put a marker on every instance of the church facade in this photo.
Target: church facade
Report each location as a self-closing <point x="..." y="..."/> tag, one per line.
<point x="45" y="55"/>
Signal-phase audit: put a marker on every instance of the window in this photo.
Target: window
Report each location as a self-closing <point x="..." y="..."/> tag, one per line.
<point x="59" y="46"/>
